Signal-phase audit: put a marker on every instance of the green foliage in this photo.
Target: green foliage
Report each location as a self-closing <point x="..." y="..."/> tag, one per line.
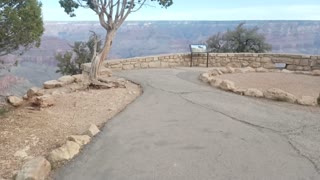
<point x="70" y="62"/>
<point x="71" y="5"/>
<point x="21" y="25"/>
<point x="239" y="40"/>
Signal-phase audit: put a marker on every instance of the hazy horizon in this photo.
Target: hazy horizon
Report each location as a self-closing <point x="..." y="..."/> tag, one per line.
<point x="212" y="10"/>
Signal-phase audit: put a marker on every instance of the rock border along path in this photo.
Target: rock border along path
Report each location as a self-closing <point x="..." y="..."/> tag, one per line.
<point x="38" y="168"/>
<point x="212" y="77"/>
<point x="181" y="128"/>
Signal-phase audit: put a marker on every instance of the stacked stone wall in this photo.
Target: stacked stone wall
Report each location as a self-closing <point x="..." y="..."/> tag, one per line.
<point x="237" y="60"/>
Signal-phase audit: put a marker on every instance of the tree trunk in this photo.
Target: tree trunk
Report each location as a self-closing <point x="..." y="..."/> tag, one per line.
<point x="99" y="58"/>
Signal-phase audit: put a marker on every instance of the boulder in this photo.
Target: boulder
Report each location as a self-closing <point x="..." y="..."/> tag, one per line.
<point x="224" y="70"/>
<point x="80" y="139"/>
<point x="260" y="69"/>
<point x="244" y="70"/>
<point x="52" y="84"/>
<point x="239" y="91"/>
<point x="44" y="101"/>
<point x="230" y="69"/>
<point x="215" y="72"/>
<point x="204" y="77"/>
<point x="15" y="101"/>
<point x="92" y="131"/>
<point x="286" y="71"/>
<point x="105" y="72"/>
<point x="78" y="78"/>
<point x="253" y="92"/>
<point x="227" y="85"/>
<point x="307" y="101"/>
<point x="280" y="95"/>
<point x="215" y="82"/>
<point x="249" y="69"/>
<point x="35" y="169"/>
<point x="25" y="97"/>
<point x="66" y="80"/>
<point x="34" y="91"/>
<point x="316" y="72"/>
<point x="64" y="153"/>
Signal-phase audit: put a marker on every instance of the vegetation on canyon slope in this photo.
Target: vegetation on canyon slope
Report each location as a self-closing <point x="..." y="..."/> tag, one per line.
<point x="241" y="39"/>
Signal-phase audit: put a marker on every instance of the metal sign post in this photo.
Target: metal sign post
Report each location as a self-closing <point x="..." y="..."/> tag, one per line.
<point x="198" y="49"/>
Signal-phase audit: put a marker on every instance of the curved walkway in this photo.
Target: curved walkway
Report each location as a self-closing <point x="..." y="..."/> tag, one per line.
<point x="183" y="129"/>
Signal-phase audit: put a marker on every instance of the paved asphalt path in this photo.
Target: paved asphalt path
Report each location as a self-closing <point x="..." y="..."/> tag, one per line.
<point x="183" y="129"/>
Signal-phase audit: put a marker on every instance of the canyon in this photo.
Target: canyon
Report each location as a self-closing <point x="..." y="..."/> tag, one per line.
<point x="143" y="38"/>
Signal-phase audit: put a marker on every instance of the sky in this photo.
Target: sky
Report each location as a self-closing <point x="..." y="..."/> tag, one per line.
<point x="204" y="10"/>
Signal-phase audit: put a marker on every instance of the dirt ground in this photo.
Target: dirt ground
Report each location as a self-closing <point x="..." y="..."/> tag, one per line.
<point x="296" y="84"/>
<point x="26" y="133"/>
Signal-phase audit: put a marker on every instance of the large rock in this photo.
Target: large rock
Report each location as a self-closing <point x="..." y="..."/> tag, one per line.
<point x="286" y="71"/>
<point x="64" y="153"/>
<point x="215" y="72"/>
<point x="261" y="69"/>
<point x="204" y="77"/>
<point x="92" y="131"/>
<point x="227" y="85"/>
<point x="34" y="91"/>
<point x="244" y="70"/>
<point x="215" y="82"/>
<point x="105" y="72"/>
<point x="15" y="101"/>
<point x="80" y="139"/>
<point x="239" y="91"/>
<point x="44" y="101"/>
<point x="224" y="70"/>
<point x="78" y="78"/>
<point x="66" y="80"/>
<point x="253" y="92"/>
<point x="307" y="101"/>
<point x="316" y="72"/>
<point x="34" y="169"/>
<point x="230" y="69"/>
<point x="52" y="84"/>
<point x="280" y="95"/>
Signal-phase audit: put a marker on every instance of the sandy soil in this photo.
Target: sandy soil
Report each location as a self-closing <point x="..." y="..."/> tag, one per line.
<point x="26" y="133"/>
<point x="296" y="84"/>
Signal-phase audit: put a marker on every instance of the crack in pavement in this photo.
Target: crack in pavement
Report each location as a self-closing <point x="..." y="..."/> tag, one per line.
<point x="174" y="92"/>
<point x="280" y="133"/>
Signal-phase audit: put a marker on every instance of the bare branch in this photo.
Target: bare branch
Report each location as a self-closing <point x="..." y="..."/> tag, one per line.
<point x="116" y="17"/>
<point x="126" y="14"/>
<point x="140" y="6"/>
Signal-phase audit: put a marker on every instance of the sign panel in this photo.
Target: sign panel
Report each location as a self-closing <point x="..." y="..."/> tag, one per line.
<point x="198" y="48"/>
<point x="280" y="65"/>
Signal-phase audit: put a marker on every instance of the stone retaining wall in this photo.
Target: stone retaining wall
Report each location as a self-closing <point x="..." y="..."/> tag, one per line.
<point x="236" y="60"/>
